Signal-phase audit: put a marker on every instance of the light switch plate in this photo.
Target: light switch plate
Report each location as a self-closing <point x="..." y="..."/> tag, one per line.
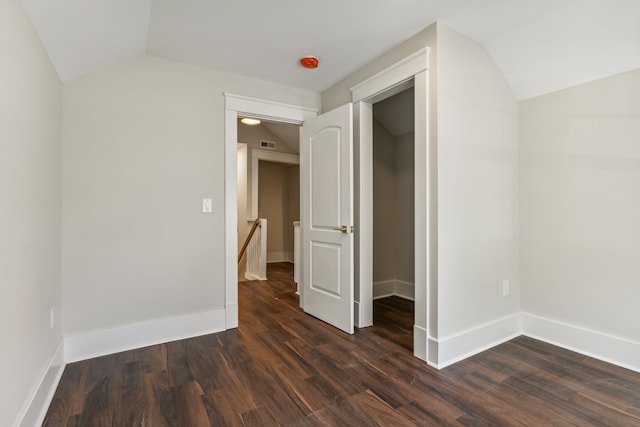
<point x="207" y="205"/>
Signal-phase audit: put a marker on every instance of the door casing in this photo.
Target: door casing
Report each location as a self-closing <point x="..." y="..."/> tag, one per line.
<point x="238" y="105"/>
<point x="411" y="71"/>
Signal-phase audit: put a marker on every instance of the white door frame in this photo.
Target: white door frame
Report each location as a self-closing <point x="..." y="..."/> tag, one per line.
<point x="236" y="105"/>
<point x="411" y="71"/>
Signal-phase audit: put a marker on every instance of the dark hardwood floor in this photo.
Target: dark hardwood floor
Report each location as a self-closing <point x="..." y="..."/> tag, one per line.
<point x="282" y="367"/>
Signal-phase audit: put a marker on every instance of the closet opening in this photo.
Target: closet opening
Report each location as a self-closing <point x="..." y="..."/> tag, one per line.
<point x="393" y="215"/>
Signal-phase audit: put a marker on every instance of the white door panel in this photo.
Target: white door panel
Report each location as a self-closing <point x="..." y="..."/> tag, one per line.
<point x="325" y="178"/>
<point x="327" y="217"/>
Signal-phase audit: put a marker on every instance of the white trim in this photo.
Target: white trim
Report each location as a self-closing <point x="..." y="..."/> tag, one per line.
<point x="467" y="343"/>
<point x="250" y="276"/>
<point x="425" y="208"/>
<point x="384" y="289"/>
<point x="391" y="77"/>
<point x="250" y="107"/>
<point x="275" y="156"/>
<point x="35" y="409"/>
<point x="136" y="335"/>
<point x="231" y="212"/>
<point x="394" y="287"/>
<point x="266" y="109"/>
<point x="357" y="315"/>
<point x="279" y="257"/>
<point x="363" y="216"/>
<point x="420" y="342"/>
<point x="405" y="290"/>
<point x="611" y="349"/>
<point x="432" y="351"/>
<point x="230" y="317"/>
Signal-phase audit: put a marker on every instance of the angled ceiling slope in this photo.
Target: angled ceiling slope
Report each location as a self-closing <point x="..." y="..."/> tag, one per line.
<point x="82" y="36"/>
<point x="540" y="45"/>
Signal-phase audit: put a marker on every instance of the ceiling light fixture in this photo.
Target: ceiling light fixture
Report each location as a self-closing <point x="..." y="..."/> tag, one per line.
<point x="310" y="62"/>
<point x="249" y="121"/>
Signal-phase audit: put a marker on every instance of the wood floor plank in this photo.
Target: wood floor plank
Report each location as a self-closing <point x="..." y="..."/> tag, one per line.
<point x="189" y="405"/>
<point x="130" y="395"/>
<point x="99" y="403"/>
<point x="267" y="389"/>
<point x="156" y="387"/>
<point x="68" y="401"/>
<point x="283" y="367"/>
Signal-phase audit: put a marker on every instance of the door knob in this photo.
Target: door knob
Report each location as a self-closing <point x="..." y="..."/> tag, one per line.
<point x="344" y="229"/>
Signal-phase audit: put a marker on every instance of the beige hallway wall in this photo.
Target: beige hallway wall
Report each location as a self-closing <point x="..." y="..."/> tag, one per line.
<point x="30" y="217"/>
<point x="279" y="203"/>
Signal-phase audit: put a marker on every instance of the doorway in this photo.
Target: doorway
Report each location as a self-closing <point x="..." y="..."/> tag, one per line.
<point x="268" y="191"/>
<point x="394" y="202"/>
<point x="412" y="71"/>
<point x="241" y="106"/>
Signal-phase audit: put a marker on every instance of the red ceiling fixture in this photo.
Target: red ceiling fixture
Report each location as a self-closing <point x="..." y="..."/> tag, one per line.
<point x="310" y="62"/>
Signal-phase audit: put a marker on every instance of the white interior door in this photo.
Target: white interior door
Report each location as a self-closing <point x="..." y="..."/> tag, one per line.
<point x="327" y="217"/>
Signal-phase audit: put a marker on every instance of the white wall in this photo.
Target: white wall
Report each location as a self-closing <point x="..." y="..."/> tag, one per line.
<point x="580" y="206"/>
<point x="477" y="190"/>
<point x="393" y="210"/>
<point x="143" y="144"/>
<point x="30" y="118"/>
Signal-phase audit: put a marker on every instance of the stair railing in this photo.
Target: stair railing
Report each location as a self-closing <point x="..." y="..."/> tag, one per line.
<point x="255" y="225"/>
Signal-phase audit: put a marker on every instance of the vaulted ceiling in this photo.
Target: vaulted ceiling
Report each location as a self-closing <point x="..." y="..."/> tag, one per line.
<point x="539" y="45"/>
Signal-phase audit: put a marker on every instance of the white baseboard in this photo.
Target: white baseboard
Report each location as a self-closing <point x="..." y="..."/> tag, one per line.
<point x="467" y="343"/>
<point x="279" y="257"/>
<point x="619" y="351"/>
<point x="439" y="353"/>
<point x="38" y="403"/>
<point x="388" y="288"/>
<point x="99" y="343"/>
<point x="251" y="276"/>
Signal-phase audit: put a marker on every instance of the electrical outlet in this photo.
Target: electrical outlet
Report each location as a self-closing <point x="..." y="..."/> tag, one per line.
<point x="505" y="288"/>
<point x="51" y="318"/>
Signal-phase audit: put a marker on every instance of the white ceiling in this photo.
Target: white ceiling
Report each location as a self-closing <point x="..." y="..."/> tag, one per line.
<point x="540" y="45"/>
